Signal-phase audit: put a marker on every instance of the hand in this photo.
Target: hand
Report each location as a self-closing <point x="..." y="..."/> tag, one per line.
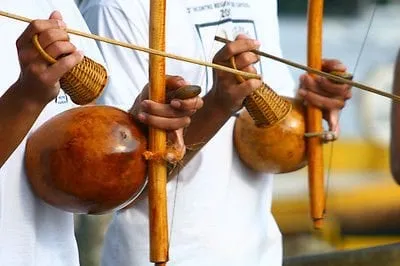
<point x="327" y="95"/>
<point x="39" y="80"/>
<point x="227" y="90"/>
<point x="169" y="116"/>
<point x="173" y="116"/>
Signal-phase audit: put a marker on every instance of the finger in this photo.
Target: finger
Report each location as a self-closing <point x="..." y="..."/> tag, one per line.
<point x="162" y="122"/>
<point x="329" y="65"/>
<point x="236" y="47"/>
<point x="176" y="146"/>
<point x="36" y="27"/>
<point x="249" y="86"/>
<point x="333" y="119"/>
<point x="245" y="59"/>
<point x="333" y="123"/>
<point x="249" y="69"/>
<point x="322" y="102"/>
<point x="242" y="36"/>
<point x="309" y="83"/>
<point x="174" y="82"/>
<point x="56" y="15"/>
<point x="348" y="95"/>
<point x="332" y="88"/>
<point x="51" y="36"/>
<point x="60" y="48"/>
<point x="163" y="110"/>
<point x="171" y="83"/>
<point x="191" y="105"/>
<point x="63" y="65"/>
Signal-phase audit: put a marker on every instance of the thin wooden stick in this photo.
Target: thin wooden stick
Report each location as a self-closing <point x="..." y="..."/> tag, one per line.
<point x="142" y="49"/>
<point x="320" y="73"/>
<point x="314" y="118"/>
<point x="158" y="215"/>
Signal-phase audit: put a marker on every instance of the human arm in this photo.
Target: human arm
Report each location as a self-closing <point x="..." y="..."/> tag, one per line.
<point x="227" y="94"/>
<point x="395" y="126"/>
<point x="38" y="82"/>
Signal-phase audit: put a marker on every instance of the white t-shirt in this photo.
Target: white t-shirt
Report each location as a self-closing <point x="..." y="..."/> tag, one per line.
<point x="219" y="210"/>
<point x="33" y="233"/>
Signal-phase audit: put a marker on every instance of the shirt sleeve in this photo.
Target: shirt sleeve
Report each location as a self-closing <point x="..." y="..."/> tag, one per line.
<point x="128" y="69"/>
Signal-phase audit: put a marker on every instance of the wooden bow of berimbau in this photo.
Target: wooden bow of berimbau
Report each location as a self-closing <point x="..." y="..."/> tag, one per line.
<point x="157" y="170"/>
<point x="314" y="117"/>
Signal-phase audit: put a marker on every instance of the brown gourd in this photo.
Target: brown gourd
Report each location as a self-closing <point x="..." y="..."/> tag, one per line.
<point x="269" y="133"/>
<point x="276" y="148"/>
<point x="87" y="160"/>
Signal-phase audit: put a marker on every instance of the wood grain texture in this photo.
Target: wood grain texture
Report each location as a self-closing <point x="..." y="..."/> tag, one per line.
<point x="314" y="117"/>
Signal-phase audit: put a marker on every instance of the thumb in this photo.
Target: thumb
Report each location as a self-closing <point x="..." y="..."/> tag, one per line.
<point x="56" y="15"/>
<point x="334" y="128"/>
<point x="176" y="146"/>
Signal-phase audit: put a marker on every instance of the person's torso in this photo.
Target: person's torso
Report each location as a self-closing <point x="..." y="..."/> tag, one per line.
<point x="219" y="210"/>
<point x="33" y="233"/>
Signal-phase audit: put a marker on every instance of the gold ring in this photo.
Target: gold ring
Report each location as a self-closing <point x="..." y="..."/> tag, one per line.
<point x="41" y="51"/>
<point x="233" y="63"/>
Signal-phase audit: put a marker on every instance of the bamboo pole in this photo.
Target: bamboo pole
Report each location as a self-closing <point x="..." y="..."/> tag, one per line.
<point x="158" y="216"/>
<point x="314" y="117"/>
<point x="140" y="48"/>
<point x="212" y="65"/>
<point x="330" y="76"/>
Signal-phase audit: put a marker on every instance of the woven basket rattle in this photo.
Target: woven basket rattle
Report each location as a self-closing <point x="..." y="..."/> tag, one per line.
<point x="84" y="82"/>
<point x="264" y="105"/>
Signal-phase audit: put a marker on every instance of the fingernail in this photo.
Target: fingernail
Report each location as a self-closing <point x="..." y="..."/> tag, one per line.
<point x="176" y="103"/>
<point x="141" y="116"/>
<point x="144" y="104"/>
<point x="340" y="66"/>
<point x="182" y="82"/>
<point x="61" y="24"/>
<point x="302" y="92"/>
<point x="257" y="42"/>
<point x="178" y="81"/>
<point x="303" y="78"/>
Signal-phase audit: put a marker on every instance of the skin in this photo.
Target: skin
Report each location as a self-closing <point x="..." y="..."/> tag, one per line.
<point x="173" y="116"/>
<point x="326" y="95"/>
<point x="395" y="126"/>
<point x="38" y="84"/>
<point x="227" y="94"/>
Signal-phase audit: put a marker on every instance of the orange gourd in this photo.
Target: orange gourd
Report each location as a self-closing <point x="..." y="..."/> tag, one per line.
<point x="279" y="147"/>
<point x="87" y="160"/>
